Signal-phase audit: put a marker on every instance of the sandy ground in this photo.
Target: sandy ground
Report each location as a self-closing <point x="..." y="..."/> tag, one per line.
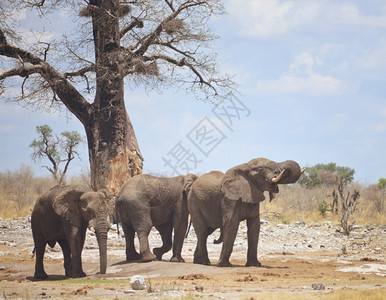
<point x="290" y="269"/>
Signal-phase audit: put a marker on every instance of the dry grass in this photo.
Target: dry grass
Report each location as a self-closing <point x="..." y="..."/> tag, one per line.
<point x="295" y="203"/>
<point x="20" y="189"/>
<point x="343" y="294"/>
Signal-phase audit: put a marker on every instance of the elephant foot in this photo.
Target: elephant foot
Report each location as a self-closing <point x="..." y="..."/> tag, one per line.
<point x="146" y="257"/>
<point x="201" y="261"/>
<point x="67" y="271"/>
<point x="41" y="275"/>
<point x="133" y="256"/>
<point x="158" y="253"/>
<point x="253" y="263"/>
<point x="79" y="275"/>
<point x="224" y="264"/>
<point x="177" y="259"/>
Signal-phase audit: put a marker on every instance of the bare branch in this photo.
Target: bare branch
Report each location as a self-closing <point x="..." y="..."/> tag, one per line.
<point x="46" y="51"/>
<point x="57" y="82"/>
<point x="136" y="23"/>
<point x="170" y="4"/>
<point x="21" y="71"/>
<point x="183" y="62"/>
<point x="80" y="72"/>
<point x="157" y="32"/>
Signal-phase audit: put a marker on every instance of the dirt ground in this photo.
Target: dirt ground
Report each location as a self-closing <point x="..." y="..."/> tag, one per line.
<point x="284" y="272"/>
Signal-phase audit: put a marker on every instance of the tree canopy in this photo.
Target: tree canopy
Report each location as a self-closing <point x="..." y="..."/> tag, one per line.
<point x="326" y="174"/>
<point x="104" y="44"/>
<point x="57" y="149"/>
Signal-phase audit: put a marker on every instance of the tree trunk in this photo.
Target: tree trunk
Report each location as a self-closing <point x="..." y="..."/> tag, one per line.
<point x="113" y="149"/>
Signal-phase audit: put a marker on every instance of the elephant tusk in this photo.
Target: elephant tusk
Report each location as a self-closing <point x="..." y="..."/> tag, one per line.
<point x="302" y="172"/>
<point x="277" y="178"/>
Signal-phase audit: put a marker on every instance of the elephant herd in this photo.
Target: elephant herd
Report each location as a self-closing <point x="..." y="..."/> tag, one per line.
<point x="213" y="200"/>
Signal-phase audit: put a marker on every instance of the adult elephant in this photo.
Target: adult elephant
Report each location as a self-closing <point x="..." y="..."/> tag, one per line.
<point x="219" y="200"/>
<point x="145" y="201"/>
<point x="62" y="215"/>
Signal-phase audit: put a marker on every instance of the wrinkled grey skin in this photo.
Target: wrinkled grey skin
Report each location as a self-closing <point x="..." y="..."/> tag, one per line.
<point x="62" y="215"/>
<point x="219" y="200"/>
<point x="145" y="201"/>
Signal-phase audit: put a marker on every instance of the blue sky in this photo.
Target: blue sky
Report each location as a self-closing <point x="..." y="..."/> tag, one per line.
<point x="312" y="82"/>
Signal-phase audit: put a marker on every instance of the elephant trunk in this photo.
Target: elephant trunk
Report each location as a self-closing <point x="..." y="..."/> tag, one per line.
<point x="101" y="234"/>
<point x="292" y="172"/>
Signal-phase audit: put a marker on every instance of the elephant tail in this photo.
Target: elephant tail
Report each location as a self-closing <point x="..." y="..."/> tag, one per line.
<point x="187" y="231"/>
<point x="33" y="252"/>
<point x="220" y="239"/>
<point x="117" y="219"/>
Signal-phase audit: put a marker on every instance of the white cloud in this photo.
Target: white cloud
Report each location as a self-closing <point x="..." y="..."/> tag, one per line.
<point x="32" y="37"/>
<point x="274" y="18"/>
<point x="313" y="84"/>
<point x="301" y="78"/>
<point x="19" y="14"/>
<point x="373" y="57"/>
<point x="304" y="62"/>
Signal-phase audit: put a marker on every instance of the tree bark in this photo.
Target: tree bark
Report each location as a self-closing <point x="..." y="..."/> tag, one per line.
<point x="113" y="150"/>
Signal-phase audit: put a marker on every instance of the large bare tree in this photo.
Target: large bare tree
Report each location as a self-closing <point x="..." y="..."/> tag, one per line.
<point x="153" y="43"/>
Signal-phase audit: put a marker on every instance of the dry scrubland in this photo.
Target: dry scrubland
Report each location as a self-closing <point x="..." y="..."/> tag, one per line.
<point x="295" y="203"/>
<point x="299" y="245"/>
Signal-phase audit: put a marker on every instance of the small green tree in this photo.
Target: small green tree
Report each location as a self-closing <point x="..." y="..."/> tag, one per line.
<point x="382" y="183"/>
<point x="326" y="174"/>
<point x="57" y="149"/>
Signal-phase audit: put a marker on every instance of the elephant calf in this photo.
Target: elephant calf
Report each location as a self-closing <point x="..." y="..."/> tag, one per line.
<point x="145" y="201"/>
<point x="219" y="200"/>
<point x="62" y="215"/>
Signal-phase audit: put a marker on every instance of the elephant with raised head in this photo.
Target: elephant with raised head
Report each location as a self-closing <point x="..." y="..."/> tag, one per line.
<point x="219" y="200"/>
<point x="62" y="215"/>
<point x="145" y="201"/>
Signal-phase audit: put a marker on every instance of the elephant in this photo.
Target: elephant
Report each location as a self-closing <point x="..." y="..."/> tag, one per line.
<point x="62" y="215"/>
<point x="145" y="201"/>
<point x="219" y="200"/>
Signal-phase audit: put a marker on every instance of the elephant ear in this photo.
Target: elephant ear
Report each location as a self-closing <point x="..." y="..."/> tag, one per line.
<point x="188" y="181"/>
<point x="236" y="185"/>
<point x="66" y="204"/>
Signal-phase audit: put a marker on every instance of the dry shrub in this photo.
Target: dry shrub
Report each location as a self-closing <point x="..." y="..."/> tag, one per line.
<point x="296" y="203"/>
<point x="19" y="190"/>
<point x="341" y="294"/>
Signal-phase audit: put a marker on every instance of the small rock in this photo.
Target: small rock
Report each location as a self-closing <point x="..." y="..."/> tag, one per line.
<point x="318" y="286"/>
<point x="137" y="282"/>
<point x="131" y="292"/>
<point x="199" y="288"/>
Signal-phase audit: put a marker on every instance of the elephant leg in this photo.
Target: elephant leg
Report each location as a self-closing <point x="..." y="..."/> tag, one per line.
<point x="165" y="231"/>
<point x="67" y="256"/>
<point x="75" y="240"/>
<point x="142" y="224"/>
<point x="40" y="248"/>
<point x="231" y="214"/>
<point x="253" y="225"/>
<point x="180" y="224"/>
<point x="201" y="251"/>
<point x="146" y="255"/>
<point x="131" y="253"/>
